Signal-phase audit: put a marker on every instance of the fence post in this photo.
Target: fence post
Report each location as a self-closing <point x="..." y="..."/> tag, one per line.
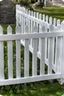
<point x="62" y="57"/>
<point x="50" y="20"/>
<point x="50" y="50"/>
<point x="43" y="17"/>
<point x="18" y="54"/>
<point x="26" y="55"/>
<point x="54" y="21"/>
<point x="34" y="56"/>
<point x="10" y="54"/>
<point x="1" y="56"/>
<point x="47" y="18"/>
<point x="58" y="48"/>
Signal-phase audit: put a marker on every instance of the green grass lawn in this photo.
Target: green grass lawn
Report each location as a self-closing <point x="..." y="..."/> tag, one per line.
<point x="55" y="12"/>
<point x="44" y="88"/>
<point x="33" y="89"/>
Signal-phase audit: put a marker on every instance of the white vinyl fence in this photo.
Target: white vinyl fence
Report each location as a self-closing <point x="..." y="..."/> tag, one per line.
<point x="55" y="67"/>
<point x="43" y="1"/>
<point x="49" y="48"/>
<point x="44" y="40"/>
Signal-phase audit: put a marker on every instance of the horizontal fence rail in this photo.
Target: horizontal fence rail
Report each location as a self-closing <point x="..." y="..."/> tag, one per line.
<point x="29" y="36"/>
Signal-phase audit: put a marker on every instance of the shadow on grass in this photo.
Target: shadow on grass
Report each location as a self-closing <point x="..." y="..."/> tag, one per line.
<point x="33" y="89"/>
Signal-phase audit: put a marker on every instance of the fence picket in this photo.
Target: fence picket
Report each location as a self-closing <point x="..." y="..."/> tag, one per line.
<point x="24" y="24"/>
<point x="43" y="17"/>
<point x="47" y="18"/>
<point x="34" y="55"/>
<point x="58" y="48"/>
<point x="42" y="60"/>
<point x="62" y="52"/>
<point x="31" y="26"/>
<point x="37" y="16"/>
<point x="50" y="20"/>
<point x="54" y="21"/>
<point x="10" y="55"/>
<point x="26" y="54"/>
<point x="1" y="56"/>
<point x="34" y="14"/>
<point x="40" y="16"/>
<point x="18" y="67"/>
<point x="41" y="29"/>
<point x="51" y="51"/>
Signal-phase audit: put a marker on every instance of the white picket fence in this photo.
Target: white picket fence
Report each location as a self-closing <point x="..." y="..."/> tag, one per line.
<point x="10" y="38"/>
<point x="43" y="1"/>
<point x="48" y="48"/>
<point x="44" y="40"/>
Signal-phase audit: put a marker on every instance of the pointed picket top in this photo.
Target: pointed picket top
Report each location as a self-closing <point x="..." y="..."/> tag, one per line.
<point x="1" y="30"/>
<point x="27" y="21"/>
<point x="35" y="29"/>
<point x="34" y="13"/>
<point x="62" y="25"/>
<point x="9" y="30"/>
<point x="26" y="29"/>
<point x="46" y="18"/>
<point x="23" y="9"/>
<point x="18" y="30"/>
<point x="43" y="17"/>
<point x="51" y="28"/>
<point x="26" y="11"/>
<point x="54" y="21"/>
<point x="37" y="15"/>
<point x="58" y="26"/>
<point x="17" y="7"/>
<point x="50" y="20"/>
<point x="40" y="16"/>
<point x="29" y="12"/>
<point x="58" y="22"/>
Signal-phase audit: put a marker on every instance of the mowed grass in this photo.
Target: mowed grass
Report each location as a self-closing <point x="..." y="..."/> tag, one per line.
<point x="55" y="12"/>
<point x="43" y="88"/>
<point x="33" y="89"/>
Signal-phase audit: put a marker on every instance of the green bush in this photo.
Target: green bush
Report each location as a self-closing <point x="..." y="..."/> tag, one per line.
<point x="33" y="1"/>
<point x="17" y="1"/>
<point x="25" y="2"/>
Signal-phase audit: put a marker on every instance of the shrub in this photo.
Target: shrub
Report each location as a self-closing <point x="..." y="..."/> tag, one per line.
<point x="25" y="2"/>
